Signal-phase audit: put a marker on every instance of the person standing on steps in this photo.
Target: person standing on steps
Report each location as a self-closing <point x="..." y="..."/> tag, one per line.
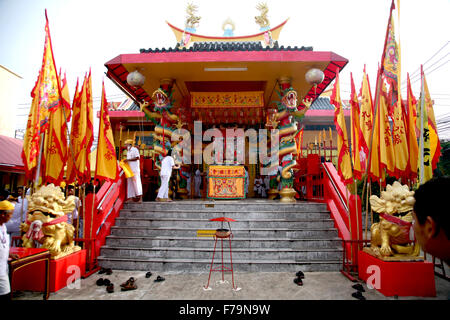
<point x="134" y="184"/>
<point x="167" y="164"/>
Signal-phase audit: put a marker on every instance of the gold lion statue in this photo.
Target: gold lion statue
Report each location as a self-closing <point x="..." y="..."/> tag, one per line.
<point x="390" y="237"/>
<point x="46" y="222"/>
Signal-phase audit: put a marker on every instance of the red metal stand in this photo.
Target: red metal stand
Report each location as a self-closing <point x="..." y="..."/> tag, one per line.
<point x="222" y="234"/>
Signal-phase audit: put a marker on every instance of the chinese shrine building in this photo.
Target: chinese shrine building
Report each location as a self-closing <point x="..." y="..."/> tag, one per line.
<point x="224" y="82"/>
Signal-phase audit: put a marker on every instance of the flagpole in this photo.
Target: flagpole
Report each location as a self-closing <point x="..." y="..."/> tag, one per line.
<point x="367" y="211"/>
<point x="421" y="140"/>
<point x="38" y="169"/>
<point x="377" y="94"/>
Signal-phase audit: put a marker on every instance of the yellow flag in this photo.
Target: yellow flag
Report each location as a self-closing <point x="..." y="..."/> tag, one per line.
<point x="429" y="146"/>
<point x="56" y="140"/>
<point x="435" y="145"/>
<point x="71" y="172"/>
<point x="46" y="99"/>
<point x="412" y="137"/>
<point x="344" y="162"/>
<point x="387" y="160"/>
<point x="366" y="114"/>
<point x="106" y="164"/>
<point x="355" y="131"/>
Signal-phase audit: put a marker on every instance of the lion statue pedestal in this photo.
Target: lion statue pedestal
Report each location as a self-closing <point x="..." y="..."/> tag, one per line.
<point x="390" y="240"/>
<point x="46" y="222"/>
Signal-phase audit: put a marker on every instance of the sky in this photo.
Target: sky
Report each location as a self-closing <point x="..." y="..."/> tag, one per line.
<point x="88" y="33"/>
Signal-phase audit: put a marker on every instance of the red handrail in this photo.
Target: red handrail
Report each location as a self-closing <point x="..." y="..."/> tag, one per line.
<point x="101" y="211"/>
<point x="345" y="208"/>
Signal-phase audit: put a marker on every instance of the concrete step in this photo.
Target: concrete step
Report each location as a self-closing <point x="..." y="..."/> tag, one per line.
<point x="253" y="254"/>
<point x="241" y="223"/>
<point x="236" y="215"/>
<point x="253" y="232"/>
<point x="203" y="265"/>
<point x="254" y="242"/>
<point x="226" y="206"/>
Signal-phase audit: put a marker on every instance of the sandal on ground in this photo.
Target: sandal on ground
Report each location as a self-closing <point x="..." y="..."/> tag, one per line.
<point x="102" y="270"/>
<point x="108" y="271"/>
<point x="298" y="281"/>
<point x="131" y="280"/>
<point x="110" y="288"/>
<point x="358" y="287"/>
<point x="159" y="279"/>
<point x="300" y="274"/>
<point x="129" y="286"/>
<point x="100" y="282"/>
<point x="148" y="274"/>
<point x="358" y="295"/>
<point x="106" y="282"/>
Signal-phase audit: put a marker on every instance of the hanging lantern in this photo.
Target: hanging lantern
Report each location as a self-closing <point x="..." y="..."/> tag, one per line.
<point x="135" y="79"/>
<point x="314" y="76"/>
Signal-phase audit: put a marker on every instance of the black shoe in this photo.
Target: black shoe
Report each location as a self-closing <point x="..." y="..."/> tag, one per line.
<point x="159" y="279"/>
<point x="358" y="287"/>
<point x="102" y="271"/>
<point x="300" y="274"/>
<point x="298" y="281"/>
<point x="358" y="295"/>
<point x="100" y="282"/>
<point x="110" y="288"/>
<point x="106" y="282"/>
<point x="108" y="271"/>
<point x="148" y="274"/>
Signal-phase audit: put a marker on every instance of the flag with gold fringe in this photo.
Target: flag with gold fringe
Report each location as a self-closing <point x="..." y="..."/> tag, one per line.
<point x="106" y="164"/>
<point x="344" y="161"/>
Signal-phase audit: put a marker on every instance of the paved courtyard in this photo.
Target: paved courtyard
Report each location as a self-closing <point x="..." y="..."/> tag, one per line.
<point x="254" y="286"/>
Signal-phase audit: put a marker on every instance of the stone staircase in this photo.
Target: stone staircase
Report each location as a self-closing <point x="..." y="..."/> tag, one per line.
<point x="268" y="237"/>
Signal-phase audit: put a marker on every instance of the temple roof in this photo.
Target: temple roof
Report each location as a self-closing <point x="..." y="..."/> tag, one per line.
<point x="227" y="46"/>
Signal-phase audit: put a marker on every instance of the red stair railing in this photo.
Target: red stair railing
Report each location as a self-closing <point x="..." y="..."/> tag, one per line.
<point x="102" y="209"/>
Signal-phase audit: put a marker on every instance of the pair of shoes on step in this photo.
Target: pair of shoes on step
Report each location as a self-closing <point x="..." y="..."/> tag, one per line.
<point x="298" y="281"/>
<point x="358" y="294"/>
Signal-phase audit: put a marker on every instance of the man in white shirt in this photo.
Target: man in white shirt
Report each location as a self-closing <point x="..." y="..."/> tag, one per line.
<point x="134" y="184"/>
<point x="167" y="164"/>
<point x="6" y="212"/>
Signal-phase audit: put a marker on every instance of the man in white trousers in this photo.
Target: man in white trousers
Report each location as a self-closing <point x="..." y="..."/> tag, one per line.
<point x="134" y="184"/>
<point x="167" y="164"/>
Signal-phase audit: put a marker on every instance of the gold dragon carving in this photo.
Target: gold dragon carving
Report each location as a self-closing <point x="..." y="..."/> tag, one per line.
<point x="262" y="20"/>
<point x="390" y="237"/>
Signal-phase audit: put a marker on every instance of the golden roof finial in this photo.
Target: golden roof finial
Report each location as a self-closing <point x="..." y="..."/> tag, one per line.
<point x="262" y="19"/>
<point x="192" y="20"/>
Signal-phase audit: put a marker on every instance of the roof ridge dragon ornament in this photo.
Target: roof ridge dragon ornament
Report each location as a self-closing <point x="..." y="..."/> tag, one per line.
<point x="191" y="23"/>
<point x="263" y="21"/>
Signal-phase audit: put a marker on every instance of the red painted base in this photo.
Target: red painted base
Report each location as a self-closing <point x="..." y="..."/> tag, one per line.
<point x="63" y="271"/>
<point x="394" y="278"/>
